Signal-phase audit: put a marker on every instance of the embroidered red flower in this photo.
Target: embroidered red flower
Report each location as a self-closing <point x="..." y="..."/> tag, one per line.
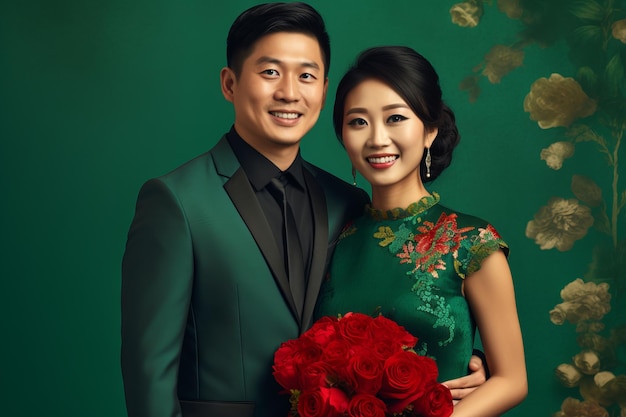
<point x="359" y="366"/>
<point x="433" y="241"/>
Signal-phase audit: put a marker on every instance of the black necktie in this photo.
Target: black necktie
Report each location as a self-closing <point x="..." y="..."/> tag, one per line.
<point x="294" y="264"/>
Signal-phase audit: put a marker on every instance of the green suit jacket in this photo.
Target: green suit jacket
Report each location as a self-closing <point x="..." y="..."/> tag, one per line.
<point x="205" y="297"/>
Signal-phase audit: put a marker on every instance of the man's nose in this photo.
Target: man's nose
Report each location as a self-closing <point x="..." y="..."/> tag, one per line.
<point x="288" y="89"/>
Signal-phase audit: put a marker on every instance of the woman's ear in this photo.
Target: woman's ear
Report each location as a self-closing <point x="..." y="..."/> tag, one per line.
<point x="431" y="136"/>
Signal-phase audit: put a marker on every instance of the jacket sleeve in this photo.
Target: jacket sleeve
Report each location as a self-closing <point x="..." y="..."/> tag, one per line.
<point x="157" y="277"/>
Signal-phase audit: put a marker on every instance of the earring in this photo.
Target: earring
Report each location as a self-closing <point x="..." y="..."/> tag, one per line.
<point x="353" y="176"/>
<point x="428" y="161"/>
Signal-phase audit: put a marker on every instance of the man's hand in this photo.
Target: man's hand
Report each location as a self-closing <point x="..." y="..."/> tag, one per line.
<point x="462" y="387"/>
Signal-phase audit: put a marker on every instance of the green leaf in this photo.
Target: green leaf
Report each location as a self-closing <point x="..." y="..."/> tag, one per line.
<point x="588" y="10"/>
<point x="601" y="221"/>
<point x="605" y="261"/>
<point x="615" y="75"/>
<point x="586" y="190"/>
<point x="588" y="80"/>
<point x="587" y="34"/>
<point x="615" y="108"/>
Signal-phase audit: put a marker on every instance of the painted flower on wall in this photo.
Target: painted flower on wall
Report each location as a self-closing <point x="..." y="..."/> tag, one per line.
<point x="582" y="301"/>
<point x="511" y="8"/>
<point x="587" y="109"/>
<point x="501" y="60"/>
<point x="557" y="101"/>
<point x="618" y="30"/>
<point x="586" y="304"/>
<point x="555" y="154"/>
<point x="568" y="374"/>
<point x="467" y="13"/>
<point x="559" y="224"/>
<point x="575" y="408"/>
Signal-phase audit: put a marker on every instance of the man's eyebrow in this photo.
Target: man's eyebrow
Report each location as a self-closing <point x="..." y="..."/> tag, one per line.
<point x="270" y="60"/>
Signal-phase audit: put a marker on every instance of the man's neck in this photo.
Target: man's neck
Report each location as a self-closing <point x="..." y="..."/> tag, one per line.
<point x="280" y="154"/>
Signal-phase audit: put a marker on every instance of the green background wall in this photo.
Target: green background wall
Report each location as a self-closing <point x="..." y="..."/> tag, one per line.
<point x="98" y="96"/>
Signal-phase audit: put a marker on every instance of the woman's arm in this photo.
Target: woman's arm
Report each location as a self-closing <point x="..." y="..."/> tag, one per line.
<point x="491" y="296"/>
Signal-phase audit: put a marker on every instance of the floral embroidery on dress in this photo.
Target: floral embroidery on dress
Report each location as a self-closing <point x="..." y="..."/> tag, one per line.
<point x="425" y="250"/>
<point x="386" y="234"/>
<point x="484" y="244"/>
<point x="428" y="248"/>
<point x="436" y="240"/>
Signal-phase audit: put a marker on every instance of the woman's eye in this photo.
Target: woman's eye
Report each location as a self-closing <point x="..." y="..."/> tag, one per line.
<point x="357" y="122"/>
<point x="396" y="118"/>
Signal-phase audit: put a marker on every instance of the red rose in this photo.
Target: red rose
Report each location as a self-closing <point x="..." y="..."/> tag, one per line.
<point x="384" y="328"/>
<point x="285" y="368"/>
<point x="323" y="331"/>
<point x="322" y="402"/>
<point x="337" y="353"/>
<point x="359" y="366"/>
<point x="436" y="402"/>
<point x="366" y="372"/>
<point x="356" y="328"/>
<point x="306" y="352"/>
<point x="403" y="380"/>
<point x="385" y="347"/>
<point x="290" y="358"/>
<point x="429" y="368"/>
<point x="314" y="375"/>
<point x="363" y="405"/>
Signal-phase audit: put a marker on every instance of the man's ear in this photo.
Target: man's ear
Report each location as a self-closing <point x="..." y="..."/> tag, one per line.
<point x="325" y="91"/>
<point x="227" y="83"/>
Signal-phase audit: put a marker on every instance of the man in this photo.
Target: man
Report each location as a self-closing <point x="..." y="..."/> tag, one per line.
<point x="208" y="290"/>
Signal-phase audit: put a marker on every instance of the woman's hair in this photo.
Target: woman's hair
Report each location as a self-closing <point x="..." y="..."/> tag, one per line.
<point x="268" y="18"/>
<point x="414" y="79"/>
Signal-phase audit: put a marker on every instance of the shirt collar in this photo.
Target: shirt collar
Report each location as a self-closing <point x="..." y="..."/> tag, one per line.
<point x="258" y="168"/>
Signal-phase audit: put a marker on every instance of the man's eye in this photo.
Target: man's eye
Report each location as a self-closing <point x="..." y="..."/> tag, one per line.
<point x="271" y="72"/>
<point x="308" y="76"/>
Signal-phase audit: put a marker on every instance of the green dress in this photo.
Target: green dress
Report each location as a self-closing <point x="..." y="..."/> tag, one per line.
<point x="409" y="265"/>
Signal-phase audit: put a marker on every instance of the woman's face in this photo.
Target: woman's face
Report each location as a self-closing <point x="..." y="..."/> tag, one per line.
<point x="384" y="138"/>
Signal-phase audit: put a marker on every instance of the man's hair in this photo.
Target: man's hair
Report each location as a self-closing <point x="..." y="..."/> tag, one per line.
<point x="268" y="18"/>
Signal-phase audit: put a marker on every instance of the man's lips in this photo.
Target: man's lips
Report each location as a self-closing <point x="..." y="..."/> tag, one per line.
<point x="285" y="115"/>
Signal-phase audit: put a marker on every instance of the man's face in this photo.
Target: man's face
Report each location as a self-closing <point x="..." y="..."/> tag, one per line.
<point x="279" y="93"/>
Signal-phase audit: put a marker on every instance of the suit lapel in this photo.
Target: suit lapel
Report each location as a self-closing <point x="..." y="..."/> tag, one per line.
<point x="242" y="195"/>
<point x="320" y="247"/>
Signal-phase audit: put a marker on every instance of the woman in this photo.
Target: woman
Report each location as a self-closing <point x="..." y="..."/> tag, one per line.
<point x="437" y="272"/>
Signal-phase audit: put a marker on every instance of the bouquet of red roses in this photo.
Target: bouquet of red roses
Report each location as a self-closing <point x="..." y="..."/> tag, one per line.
<point x="359" y="366"/>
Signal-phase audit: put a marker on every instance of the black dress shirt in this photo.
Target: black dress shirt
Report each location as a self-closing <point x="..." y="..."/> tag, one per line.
<point x="260" y="172"/>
